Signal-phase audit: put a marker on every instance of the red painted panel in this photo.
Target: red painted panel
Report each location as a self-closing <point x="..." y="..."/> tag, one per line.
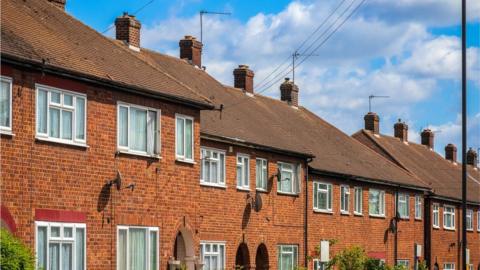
<point x="60" y="216"/>
<point x="377" y="255"/>
<point x="8" y="219"/>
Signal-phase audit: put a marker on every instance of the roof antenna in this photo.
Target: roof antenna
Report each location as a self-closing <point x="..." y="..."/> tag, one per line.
<point x="370" y="101"/>
<point x="204" y="12"/>
<point x="295" y="55"/>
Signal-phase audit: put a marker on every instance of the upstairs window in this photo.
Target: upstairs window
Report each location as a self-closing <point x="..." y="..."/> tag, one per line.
<point x="418" y="207"/>
<point x="184" y="138"/>
<point x="403" y="205"/>
<point x="6" y="105"/>
<point x="469" y="219"/>
<point x="138" y="130"/>
<point x="61" y="115"/>
<point x="449" y="217"/>
<point x="261" y="173"/>
<point x="137" y="248"/>
<point x="243" y="171"/>
<point x="322" y="197"/>
<point x="376" y="202"/>
<point x="435" y="215"/>
<point x="213" y="167"/>
<point x="344" y="199"/>
<point x="287" y="257"/>
<point x="358" y="201"/>
<point x="289" y="182"/>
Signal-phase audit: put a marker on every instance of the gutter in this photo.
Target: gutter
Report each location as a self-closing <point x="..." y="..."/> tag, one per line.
<point x="79" y="76"/>
<point x="452" y="200"/>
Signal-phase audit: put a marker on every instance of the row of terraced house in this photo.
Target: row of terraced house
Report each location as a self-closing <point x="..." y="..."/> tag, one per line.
<point x="114" y="156"/>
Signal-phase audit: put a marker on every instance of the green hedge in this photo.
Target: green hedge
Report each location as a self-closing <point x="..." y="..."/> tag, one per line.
<point x="14" y="255"/>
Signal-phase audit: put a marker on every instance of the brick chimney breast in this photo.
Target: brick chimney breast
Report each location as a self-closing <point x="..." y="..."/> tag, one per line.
<point x="472" y="157"/>
<point x="243" y="78"/>
<point x="191" y="49"/>
<point x="289" y="92"/>
<point x="59" y="3"/>
<point x="401" y="130"/>
<point x="451" y="152"/>
<point x="372" y="122"/>
<point x="427" y="138"/>
<point x="127" y="29"/>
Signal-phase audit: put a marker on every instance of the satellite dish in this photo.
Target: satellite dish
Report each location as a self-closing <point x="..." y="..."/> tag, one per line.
<point x="279" y="175"/>
<point x="258" y="202"/>
<point x="117" y="181"/>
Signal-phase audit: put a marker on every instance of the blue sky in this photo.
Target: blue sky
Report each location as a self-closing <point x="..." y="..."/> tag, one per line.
<point x="408" y="50"/>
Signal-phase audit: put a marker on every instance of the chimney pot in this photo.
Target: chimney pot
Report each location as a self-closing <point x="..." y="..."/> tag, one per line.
<point x="59" y="3"/>
<point x="289" y="92"/>
<point x="472" y="157"/>
<point x="451" y="152"/>
<point x="401" y="130"/>
<point x="427" y="138"/>
<point x="243" y="78"/>
<point x="372" y="122"/>
<point x="127" y="29"/>
<point x="191" y="49"/>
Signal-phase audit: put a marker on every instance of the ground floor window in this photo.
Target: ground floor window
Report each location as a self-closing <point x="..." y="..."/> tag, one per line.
<point x="213" y="255"/>
<point x="60" y="246"/>
<point x="318" y="265"/>
<point x="137" y="248"/>
<point x="287" y="257"/>
<point x="405" y="263"/>
<point x="448" y="266"/>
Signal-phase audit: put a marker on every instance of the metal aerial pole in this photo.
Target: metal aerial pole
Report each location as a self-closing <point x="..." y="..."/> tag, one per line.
<point x="464" y="136"/>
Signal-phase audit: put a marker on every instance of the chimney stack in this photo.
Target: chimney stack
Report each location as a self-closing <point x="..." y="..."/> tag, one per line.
<point x="243" y="78"/>
<point x="289" y="92"/>
<point x="372" y="122"/>
<point x="451" y="152"/>
<point x="401" y="130"/>
<point x="472" y="157"/>
<point x="191" y="49"/>
<point x="59" y="3"/>
<point x="127" y="29"/>
<point x="427" y="138"/>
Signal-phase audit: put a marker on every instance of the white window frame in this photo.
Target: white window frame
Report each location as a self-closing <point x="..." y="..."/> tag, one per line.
<point x="404" y="262"/>
<point x="381" y="201"/>
<point x="318" y="265"/>
<point x="358" y="201"/>
<point x="403" y="198"/>
<point x="418" y="207"/>
<point x="211" y="253"/>
<point x="245" y="181"/>
<point x="445" y="213"/>
<point x="469" y="225"/>
<point x="182" y="157"/>
<point x="344" y="199"/>
<point x="126" y="149"/>
<point x="329" y="194"/>
<point x="449" y="266"/>
<point x="8" y="129"/>
<point x="220" y="169"/>
<point x="61" y="240"/>
<point x="436" y="215"/>
<point x="295" y="181"/>
<point x="61" y="107"/>
<point x="294" y="253"/>
<point x="478" y="220"/>
<point x="148" y="230"/>
<point x="261" y="179"/>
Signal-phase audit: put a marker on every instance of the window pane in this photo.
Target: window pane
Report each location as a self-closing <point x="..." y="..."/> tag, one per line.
<point x="239" y="174"/>
<point x="42" y="112"/>
<point x="67" y="259"/>
<point x="54" y="123"/>
<point x="42" y="247"/>
<point x="153" y="250"/>
<point x="5" y="104"/>
<point x="222" y="168"/>
<point x="322" y="204"/>
<point x="138" y="129"/>
<point x="123" y="126"/>
<point x="67" y="100"/>
<point x="137" y="249"/>
<point x="79" y="249"/>
<point x="246" y="172"/>
<point x="122" y="250"/>
<point x="54" y="256"/>
<point x="180" y="136"/>
<point x="67" y="232"/>
<point x="55" y="231"/>
<point x="152" y="132"/>
<point x="374" y="202"/>
<point x="55" y="97"/>
<point x="67" y="119"/>
<point x="287" y="181"/>
<point x="188" y="138"/>
<point x="80" y="119"/>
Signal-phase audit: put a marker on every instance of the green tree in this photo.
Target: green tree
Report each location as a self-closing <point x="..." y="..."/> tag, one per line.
<point x="14" y="255"/>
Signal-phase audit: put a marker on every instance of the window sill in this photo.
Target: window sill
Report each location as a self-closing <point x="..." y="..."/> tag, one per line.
<point x="436" y="227"/>
<point x="418" y="219"/>
<point x="206" y="184"/>
<point x="189" y="161"/>
<point x="124" y="152"/>
<point x="449" y="229"/>
<point x="469" y="230"/>
<point x="243" y="189"/>
<point x="357" y="214"/>
<point x="344" y="213"/>
<point x="405" y="218"/>
<point x="287" y="194"/>
<point x="7" y="133"/>
<point x="377" y="216"/>
<point x="323" y="211"/>
<point x="262" y="190"/>
<point x="81" y="145"/>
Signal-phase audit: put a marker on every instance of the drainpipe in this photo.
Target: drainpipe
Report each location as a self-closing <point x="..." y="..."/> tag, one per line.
<point x="305" y="226"/>
<point x="395" y="245"/>
<point x="427" y="225"/>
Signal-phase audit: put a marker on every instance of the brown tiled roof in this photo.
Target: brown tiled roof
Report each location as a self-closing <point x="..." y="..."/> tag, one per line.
<point x="36" y="31"/>
<point x="265" y="121"/>
<point x="443" y="175"/>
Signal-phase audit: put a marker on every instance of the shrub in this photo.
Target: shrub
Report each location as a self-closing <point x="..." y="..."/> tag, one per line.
<point x="353" y="258"/>
<point x="14" y="255"/>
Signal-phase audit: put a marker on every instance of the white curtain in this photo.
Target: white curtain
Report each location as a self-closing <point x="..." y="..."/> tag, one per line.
<point x="54" y="258"/>
<point x="80" y="118"/>
<point x="138" y="129"/>
<point x="152" y="132"/>
<point x="286" y="181"/>
<point x="122" y="250"/>
<point x="79" y="249"/>
<point x="5" y="104"/>
<point x="246" y="172"/>
<point x="42" y="247"/>
<point x="67" y="119"/>
<point x="188" y="138"/>
<point x="374" y="202"/>
<point x="153" y="250"/>
<point x="42" y="112"/>
<point x="180" y="136"/>
<point x="137" y="249"/>
<point x="123" y="126"/>
<point x="239" y="172"/>
<point x="67" y="256"/>
<point x="54" y="123"/>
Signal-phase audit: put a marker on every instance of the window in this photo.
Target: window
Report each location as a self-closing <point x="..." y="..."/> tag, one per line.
<point x="470" y="219"/>
<point x="287" y="257"/>
<point x="138" y="130"/>
<point x="318" y="265"/>
<point x="358" y="207"/>
<point x="6" y="105"/>
<point x="403" y="205"/>
<point x="322" y="197"/>
<point x="61" y="115"/>
<point x="344" y="199"/>
<point x="449" y="217"/>
<point x="448" y="266"/>
<point x="243" y="172"/>
<point x="478" y="221"/>
<point x="137" y="248"/>
<point x="60" y="246"/>
<point x="436" y="215"/>
<point x="212" y="167"/>
<point x="376" y="202"/>
<point x="261" y="172"/>
<point x="405" y="263"/>
<point x="289" y="182"/>
<point x="418" y="207"/>
<point x="184" y="138"/>
<point x="212" y="255"/>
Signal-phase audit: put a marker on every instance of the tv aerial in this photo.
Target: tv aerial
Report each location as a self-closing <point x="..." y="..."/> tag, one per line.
<point x="370" y="98"/>
<point x="205" y="12"/>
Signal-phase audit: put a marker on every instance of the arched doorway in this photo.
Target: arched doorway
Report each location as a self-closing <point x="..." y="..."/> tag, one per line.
<point x="261" y="258"/>
<point x="183" y="249"/>
<point x="242" y="259"/>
